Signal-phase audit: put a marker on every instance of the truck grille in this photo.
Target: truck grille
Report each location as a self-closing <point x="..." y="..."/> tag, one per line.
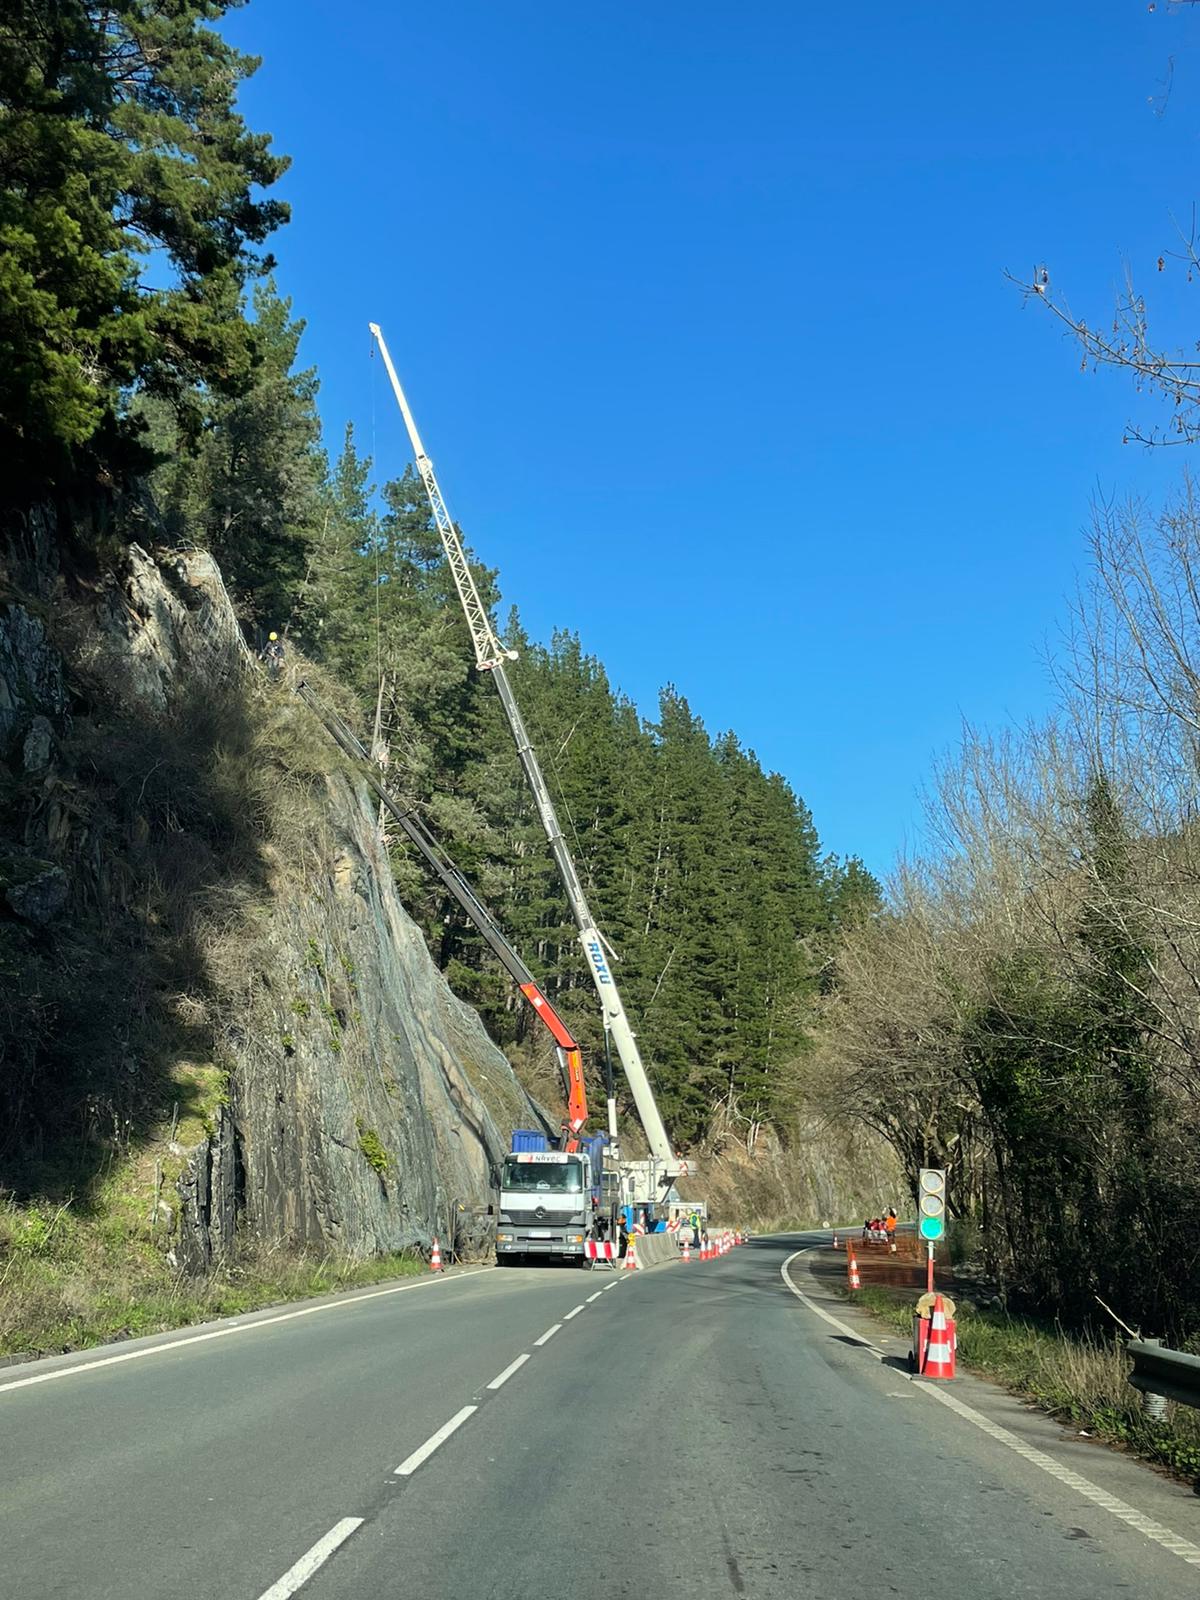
<point x="539" y="1218"/>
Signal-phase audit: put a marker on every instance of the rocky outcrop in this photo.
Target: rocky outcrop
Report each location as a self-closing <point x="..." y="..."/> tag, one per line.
<point x="367" y="1099"/>
<point x="331" y="1091"/>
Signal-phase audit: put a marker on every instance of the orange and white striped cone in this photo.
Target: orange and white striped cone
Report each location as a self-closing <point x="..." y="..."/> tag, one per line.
<point x="686" y="1251"/>
<point x="852" y="1270"/>
<point x="631" y="1254"/>
<point x="836" y="1245"/>
<point x="939" y="1351"/>
<point x="435" y="1256"/>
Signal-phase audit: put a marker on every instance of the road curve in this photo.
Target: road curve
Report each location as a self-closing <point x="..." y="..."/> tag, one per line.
<point x="692" y="1431"/>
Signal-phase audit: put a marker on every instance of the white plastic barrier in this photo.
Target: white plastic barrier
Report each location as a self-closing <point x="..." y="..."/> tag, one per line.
<point x="655" y="1248"/>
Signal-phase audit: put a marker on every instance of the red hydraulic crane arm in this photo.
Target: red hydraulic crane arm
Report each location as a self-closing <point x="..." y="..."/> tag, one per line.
<point x="572" y="1056"/>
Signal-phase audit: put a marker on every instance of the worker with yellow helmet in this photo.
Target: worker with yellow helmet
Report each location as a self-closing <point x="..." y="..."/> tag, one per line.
<point x="272" y="654"/>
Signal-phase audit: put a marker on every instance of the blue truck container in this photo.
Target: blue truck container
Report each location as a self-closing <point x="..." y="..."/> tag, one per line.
<point x="595" y="1151"/>
<point x="526" y="1141"/>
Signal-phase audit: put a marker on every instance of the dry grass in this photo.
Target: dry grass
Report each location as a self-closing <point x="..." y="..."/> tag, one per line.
<point x="69" y="1282"/>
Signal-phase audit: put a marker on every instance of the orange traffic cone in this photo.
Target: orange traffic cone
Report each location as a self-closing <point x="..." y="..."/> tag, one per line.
<point x="687" y="1251"/>
<point x="939" y="1351"/>
<point x="435" y="1256"/>
<point x="631" y="1254"/>
<point x="852" y="1269"/>
<point x="836" y="1245"/>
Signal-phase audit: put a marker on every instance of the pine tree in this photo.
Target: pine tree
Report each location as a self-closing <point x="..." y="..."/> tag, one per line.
<point x="119" y="139"/>
<point x="249" y="487"/>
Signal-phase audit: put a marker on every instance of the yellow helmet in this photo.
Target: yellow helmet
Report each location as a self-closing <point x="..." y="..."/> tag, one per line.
<point x="272" y="636"/>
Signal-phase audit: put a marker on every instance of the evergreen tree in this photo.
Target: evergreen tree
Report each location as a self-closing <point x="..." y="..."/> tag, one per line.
<point x="119" y="139"/>
<point x="249" y="487"/>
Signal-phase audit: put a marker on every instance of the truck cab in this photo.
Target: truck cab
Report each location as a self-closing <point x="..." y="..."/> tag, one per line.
<point x="545" y="1205"/>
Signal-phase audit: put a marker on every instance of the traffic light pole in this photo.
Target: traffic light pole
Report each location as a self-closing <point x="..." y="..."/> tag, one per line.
<point x="929" y="1268"/>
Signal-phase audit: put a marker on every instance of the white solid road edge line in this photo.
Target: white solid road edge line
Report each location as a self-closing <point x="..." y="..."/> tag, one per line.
<point x="513" y="1366"/>
<point x="1157" y="1531"/>
<point x="408" y="1466"/>
<point x="232" y="1328"/>
<point x="549" y="1334"/>
<point x="574" y="1313"/>
<point x="312" y="1559"/>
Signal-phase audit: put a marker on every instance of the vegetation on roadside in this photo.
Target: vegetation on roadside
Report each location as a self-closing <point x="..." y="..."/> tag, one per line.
<point x="1026" y="1013"/>
<point x="70" y="1281"/>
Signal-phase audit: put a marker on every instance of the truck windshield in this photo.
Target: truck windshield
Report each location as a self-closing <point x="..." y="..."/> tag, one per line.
<point x="538" y="1177"/>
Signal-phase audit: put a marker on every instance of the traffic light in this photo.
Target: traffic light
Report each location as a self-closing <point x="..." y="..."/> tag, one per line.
<point x="931" y="1202"/>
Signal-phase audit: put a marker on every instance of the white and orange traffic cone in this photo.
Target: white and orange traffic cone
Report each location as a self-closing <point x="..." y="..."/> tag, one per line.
<point x="836" y="1245"/>
<point x="631" y="1254"/>
<point x="939" y="1351"/>
<point x="852" y="1270"/>
<point x="435" y="1256"/>
<point x="686" y="1251"/>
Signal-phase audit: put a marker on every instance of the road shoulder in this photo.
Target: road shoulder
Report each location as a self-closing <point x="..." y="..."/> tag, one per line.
<point x="1150" y="1495"/>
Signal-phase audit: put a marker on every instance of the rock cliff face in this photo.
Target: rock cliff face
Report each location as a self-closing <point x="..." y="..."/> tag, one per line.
<point x="178" y="838"/>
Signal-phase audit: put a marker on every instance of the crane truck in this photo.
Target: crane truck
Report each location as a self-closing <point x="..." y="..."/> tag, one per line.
<point x="549" y="1200"/>
<point x="645" y="1180"/>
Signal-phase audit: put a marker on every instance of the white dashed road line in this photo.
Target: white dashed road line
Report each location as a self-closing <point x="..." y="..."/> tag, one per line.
<point x="408" y="1466"/>
<point x="549" y="1334"/>
<point x="312" y="1559"/>
<point x="1147" y="1526"/>
<point x="595" y="1296"/>
<point x="574" y="1313"/>
<point x="513" y="1366"/>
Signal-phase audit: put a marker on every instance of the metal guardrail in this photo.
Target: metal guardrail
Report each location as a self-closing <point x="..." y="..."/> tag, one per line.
<point x="1158" y="1370"/>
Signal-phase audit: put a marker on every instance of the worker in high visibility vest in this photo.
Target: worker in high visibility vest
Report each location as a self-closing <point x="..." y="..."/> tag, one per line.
<point x="889" y="1226"/>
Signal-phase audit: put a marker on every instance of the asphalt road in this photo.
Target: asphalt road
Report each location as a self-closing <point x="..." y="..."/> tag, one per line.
<point x="692" y="1431"/>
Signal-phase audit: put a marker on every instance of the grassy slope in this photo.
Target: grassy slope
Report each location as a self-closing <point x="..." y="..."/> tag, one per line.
<point x="68" y="1282"/>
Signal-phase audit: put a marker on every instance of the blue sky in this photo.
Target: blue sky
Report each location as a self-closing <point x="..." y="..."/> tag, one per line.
<point x="702" y="312"/>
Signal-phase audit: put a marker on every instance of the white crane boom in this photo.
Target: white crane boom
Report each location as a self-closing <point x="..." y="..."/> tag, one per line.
<point x="491" y="656"/>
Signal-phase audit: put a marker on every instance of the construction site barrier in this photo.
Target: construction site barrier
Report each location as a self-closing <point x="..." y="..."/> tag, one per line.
<point x="655" y="1248"/>
<point x="601" y="1250"/>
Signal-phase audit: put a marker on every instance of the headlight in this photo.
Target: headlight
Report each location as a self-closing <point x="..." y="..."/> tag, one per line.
<point x="504" y="1238"/>
<point x="575" y="1238"/>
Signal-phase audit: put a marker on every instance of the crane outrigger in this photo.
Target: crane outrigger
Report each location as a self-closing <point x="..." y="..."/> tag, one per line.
<point x="493" y="657"/>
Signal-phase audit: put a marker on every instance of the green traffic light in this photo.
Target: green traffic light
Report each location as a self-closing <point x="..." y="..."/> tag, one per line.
<point x="932" y="1227"/>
